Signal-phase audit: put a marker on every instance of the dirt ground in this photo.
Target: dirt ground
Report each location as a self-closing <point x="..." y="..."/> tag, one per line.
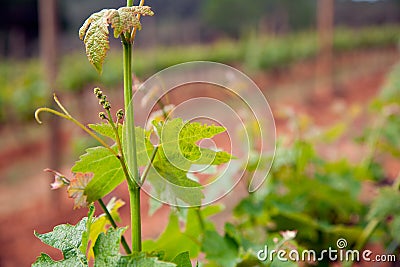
<point x="27" y="204"/>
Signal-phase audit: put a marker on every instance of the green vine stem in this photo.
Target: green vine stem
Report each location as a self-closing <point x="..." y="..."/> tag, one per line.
<point x="131" y="155"/>
<point x="200" y="219"/>
<point x="114" y="224"/>
<point x="120" y="157"/>
<point x="129" y="3"/>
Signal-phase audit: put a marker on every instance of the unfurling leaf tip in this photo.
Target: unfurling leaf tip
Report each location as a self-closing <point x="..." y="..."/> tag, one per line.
<point x="37" y="116"/>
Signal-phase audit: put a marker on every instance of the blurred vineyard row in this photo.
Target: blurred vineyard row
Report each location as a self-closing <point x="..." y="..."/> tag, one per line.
<point x="324" y="198"/>
<point x="322" y="195"/>
<point x="23" y="87"/>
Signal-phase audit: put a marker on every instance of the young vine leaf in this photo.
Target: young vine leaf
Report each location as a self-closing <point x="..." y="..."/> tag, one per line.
<point x="179" y="138"/>
<point x="106" y="130"/>
<point x="68" y="239"/>
<point x="178" y="151"/>
<point x="76" y="189"/>
<point x="168" y="175"/>
<point x="106" y="168"/>
<point x="94" y="31"/>
<point x="106" y="251"/>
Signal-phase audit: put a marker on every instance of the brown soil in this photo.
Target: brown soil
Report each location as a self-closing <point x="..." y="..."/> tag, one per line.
<point x="29" y="205"/>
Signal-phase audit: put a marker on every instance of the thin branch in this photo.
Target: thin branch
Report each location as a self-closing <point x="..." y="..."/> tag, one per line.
<point x="200" y="218"/>
<point x="60" y="105"/>
<point x="55" y="112"/>
<point x="121" y="157"/>
<point x="114" y="224"/>
<point x="147" y="169"/>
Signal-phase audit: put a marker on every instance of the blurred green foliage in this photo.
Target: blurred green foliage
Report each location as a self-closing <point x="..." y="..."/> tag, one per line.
<point x="306" y="192"/>
<point x="234" y="18"/>
<point x="310" y="199"/>
<point x="23" y="88"/>
<point x="387" y="106"/>
<point x="308" y="202"/>
<point x="320" y="197"/>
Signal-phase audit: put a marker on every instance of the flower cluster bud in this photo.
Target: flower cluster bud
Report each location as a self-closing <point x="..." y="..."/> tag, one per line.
<point x="120" y="114"/>
<point x="98" y="92"/>
<point x="102" y="98"/>
<point x="103" y="116"/>
<point x="107" y="105"/>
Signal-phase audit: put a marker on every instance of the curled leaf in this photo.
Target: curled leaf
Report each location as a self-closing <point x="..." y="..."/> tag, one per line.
<point x="94" y="31"/>
<point x="94" y="34"/>
<point x="127" y="21"/>
<point x="77" y="187"/>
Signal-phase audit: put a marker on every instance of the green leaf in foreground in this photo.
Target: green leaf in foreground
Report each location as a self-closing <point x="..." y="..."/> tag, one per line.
<point x="105" y="129"/>
<point x="172" y="185"/>
<point x="106" y="169"/>
<point x="68" y="239"/>
<point x="179" y="143"/>
<point x="177" y="152"/>
<point x="143" y="145"/>
<point x="106" y="251"/>
<point x="45" y="260"/>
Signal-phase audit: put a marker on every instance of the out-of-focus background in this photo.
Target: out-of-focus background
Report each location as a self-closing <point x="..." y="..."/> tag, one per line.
<point x="326" y="60"/>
